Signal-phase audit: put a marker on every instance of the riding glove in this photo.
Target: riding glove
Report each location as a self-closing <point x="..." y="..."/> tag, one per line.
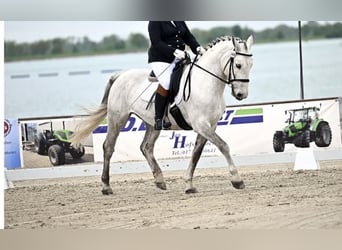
<point x="200" y="50"/>
<point x="179" y="54"/>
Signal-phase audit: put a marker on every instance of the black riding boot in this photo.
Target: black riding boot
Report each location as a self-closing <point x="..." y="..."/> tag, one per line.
<point x="160" y="105"/>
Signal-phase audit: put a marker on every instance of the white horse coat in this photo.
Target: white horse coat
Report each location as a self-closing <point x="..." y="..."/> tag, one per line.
<point x="227" y="61"/>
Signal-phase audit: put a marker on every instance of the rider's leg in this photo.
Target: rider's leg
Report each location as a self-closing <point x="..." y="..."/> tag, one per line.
<point x="160" y="105"/>
<point x="163" y="72"/>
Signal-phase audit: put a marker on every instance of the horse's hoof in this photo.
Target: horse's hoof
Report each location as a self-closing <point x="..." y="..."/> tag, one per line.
<point x="107" y="191"/>
<point x="161" y="185"/>
<point x="191" y="191"/>
<point x="238" y="184"/>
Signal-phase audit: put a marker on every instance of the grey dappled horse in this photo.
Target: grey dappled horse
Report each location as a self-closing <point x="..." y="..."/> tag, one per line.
<point x="227" y="61"/>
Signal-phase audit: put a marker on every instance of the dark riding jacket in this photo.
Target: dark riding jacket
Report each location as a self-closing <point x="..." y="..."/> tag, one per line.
<point x="166" y="38"/>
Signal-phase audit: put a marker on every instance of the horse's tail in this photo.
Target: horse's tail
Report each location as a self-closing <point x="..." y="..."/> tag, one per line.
<point x="85" y="127"/>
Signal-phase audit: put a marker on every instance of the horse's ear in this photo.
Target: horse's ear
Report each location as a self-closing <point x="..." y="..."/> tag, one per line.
<point x="249" y="42"/>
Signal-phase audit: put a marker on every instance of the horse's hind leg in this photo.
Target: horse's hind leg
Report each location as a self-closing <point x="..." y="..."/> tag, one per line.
<point x="108" y="150"/>
<point x="196" y="154"/>
<point x="147" y="147"/>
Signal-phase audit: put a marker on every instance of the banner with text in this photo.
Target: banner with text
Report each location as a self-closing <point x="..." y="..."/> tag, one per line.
<point x="12" y="144"/>
<point x="248" y="130"/>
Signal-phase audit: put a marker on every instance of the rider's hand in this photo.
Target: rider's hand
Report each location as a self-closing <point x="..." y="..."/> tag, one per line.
<point x="179" y="54"/>
<point x="200" y="50"/>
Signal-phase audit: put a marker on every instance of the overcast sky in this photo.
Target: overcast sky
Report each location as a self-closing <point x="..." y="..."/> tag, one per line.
<point x="28" y="31"/>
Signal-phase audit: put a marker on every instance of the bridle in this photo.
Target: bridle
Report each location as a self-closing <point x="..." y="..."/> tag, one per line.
<point x="231" y="75"/>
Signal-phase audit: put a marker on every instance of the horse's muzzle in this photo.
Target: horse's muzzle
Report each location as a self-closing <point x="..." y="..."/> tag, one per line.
<point x="239" y="96"/>
<point x="239" y="90"/>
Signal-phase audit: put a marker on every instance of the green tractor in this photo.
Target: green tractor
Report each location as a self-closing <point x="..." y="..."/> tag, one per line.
<point x="55" y="143"/>
<point x="304" y="126"/>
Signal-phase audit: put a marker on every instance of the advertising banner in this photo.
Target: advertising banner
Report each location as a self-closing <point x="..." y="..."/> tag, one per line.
<point x="12" y="144"/>
<point x="248" y="130"/>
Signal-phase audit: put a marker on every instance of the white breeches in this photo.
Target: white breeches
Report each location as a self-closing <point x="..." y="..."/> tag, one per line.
<point x="163" y="72"/>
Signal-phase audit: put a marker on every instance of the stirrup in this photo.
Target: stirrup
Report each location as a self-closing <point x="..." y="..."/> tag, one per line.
<point x="166" y="123"/>
<point x="158" y="125"/>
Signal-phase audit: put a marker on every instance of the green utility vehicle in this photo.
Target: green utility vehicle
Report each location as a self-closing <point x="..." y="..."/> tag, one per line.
<point x="55" y="143"/>
<point x="304" y="126"/>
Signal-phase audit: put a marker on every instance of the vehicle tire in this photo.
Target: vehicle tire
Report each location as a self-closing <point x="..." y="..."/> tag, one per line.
<point x="40" y="144"/>
<point x="306" y="139"/>
<point x="77" y="153"/>
<point x="56" y="155"/>
<point x="303" y="140"/>
<point x="278" y="142"/>
<point x="323" y="134"/>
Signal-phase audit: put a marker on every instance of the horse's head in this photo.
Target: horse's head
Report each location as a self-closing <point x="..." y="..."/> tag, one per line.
<point x="237" y="63"/>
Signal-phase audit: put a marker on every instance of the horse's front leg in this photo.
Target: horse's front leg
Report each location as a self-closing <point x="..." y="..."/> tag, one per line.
<point x="236" y="181"/>
<point x="147" y="148"/>
<point x="196" y="154"/>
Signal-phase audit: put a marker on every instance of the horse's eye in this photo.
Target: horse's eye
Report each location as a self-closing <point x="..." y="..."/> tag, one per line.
<point x="238" y="65"/>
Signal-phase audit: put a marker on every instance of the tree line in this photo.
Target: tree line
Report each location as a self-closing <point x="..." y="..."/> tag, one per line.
<point x="136" y="42"/>
<point x="72" y="46"/>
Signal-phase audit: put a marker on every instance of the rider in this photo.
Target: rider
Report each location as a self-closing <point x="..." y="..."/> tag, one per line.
<point x="168" y="40"/>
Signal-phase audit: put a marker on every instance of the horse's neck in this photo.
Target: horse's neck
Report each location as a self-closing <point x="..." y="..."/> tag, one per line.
<point x="216" y="58"/>
<point x="202" y="82"/>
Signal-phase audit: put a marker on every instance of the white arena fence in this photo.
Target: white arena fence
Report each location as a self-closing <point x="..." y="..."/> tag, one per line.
<point x="248" y="129"/>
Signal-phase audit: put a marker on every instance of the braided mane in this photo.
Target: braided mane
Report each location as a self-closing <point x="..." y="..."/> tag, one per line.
<point x="223" y="39"/>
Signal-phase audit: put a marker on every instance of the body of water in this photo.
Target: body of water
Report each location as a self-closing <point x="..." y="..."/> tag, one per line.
<point x="59" y="87"/>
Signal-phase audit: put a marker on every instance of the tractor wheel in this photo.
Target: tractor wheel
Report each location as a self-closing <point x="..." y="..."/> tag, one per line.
<point x="323" y="134"/>
<point x="278" y="142"/>
<point x="306" y="139"/>
<point x="56" y="155"/>
<point x="40" y="144"/>
<point x="77" y="153"/>
<point x="303" y="140"/>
